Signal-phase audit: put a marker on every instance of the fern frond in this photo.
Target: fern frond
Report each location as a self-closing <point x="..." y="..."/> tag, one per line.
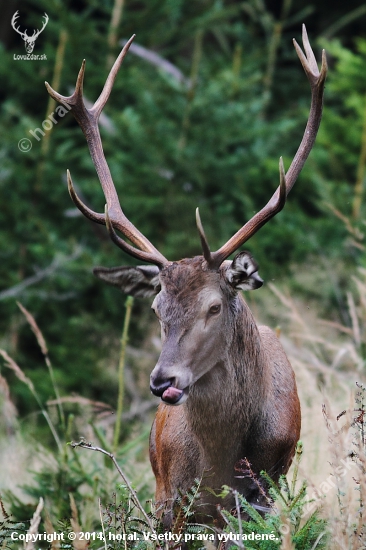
<point x="252" y="512"/>
<point x="186" y="504"/>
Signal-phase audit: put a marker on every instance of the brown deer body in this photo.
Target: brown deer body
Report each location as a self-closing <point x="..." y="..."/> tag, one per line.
<point x="242" y="399"/>
<point x="231" y="382"/>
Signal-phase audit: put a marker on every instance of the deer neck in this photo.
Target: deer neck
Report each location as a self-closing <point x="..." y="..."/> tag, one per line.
<point x="229" y="398"/>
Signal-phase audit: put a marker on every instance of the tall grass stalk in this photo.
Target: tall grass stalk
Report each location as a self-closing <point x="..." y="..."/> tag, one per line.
<point x="121" y="368"/>
<point x="102" y="523"/>
<point x="42" y="344"/>
<point x="11" y="364"/>
<point x="34" y="524"/>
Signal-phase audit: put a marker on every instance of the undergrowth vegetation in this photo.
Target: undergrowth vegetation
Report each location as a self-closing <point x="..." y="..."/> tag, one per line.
<point x="70" y="492"/>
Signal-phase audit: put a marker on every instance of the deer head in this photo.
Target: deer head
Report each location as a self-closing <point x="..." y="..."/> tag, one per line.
<point x="29" y="41"/>
<point x="193" y="304"/>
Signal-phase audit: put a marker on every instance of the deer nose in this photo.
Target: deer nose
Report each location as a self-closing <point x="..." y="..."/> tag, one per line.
<point x="158" y="386"/>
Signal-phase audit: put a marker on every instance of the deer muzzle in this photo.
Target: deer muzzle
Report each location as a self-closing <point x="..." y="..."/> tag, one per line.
<point x="166" y="390"/>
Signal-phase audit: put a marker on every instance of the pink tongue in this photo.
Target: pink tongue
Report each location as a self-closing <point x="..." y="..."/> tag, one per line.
<point x="172" y="394"/>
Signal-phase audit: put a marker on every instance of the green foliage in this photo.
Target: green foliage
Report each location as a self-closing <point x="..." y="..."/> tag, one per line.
<point x="8" y="526"/>
<point x="122" y="524"/>
<point x="292" y="515"/>
<point x="341" y="151"/>
<point x="55" y="482"/>
<point x="64" y="481"/>
<point x="185" y="508"/>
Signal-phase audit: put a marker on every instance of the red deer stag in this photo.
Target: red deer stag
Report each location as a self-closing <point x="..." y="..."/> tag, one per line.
<point x="233" y="383"/>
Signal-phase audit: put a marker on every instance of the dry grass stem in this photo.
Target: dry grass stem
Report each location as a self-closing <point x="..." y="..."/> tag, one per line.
<point x="347" y="223"/>
<point x="286" y="543"/>
<point x="34" y="524"/>
<point x="353" y="314"/>
<point x="102" y="523"/>
<point x="98" y="406"/>
<point x="132" y="492"/>
<point x="11" y="364"/>
<point x="346" y="449"/>
<point x="8" y="410"/>
<point x="42" y="344"/>
<point x="55" y="544"/>
<point x="36" y="330"/>
<point x="76" y="527"/>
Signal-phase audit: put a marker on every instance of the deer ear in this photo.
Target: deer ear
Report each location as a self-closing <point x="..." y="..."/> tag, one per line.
<point x="243" y="272"/>
<point x="140" y="281"/>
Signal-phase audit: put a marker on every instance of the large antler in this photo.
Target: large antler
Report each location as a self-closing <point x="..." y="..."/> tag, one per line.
<point x="277" y="202"/>
<point x="114" y="216"/>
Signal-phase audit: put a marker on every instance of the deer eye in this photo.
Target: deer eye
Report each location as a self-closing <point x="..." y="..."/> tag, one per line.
<point x="216" y="308"/>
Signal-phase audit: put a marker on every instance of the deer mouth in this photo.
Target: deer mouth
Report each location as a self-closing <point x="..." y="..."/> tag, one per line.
<point x="174" y="396"/>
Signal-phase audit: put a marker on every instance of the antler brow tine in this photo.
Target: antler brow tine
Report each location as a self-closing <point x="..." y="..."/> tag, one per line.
<point x="204" y="242"/>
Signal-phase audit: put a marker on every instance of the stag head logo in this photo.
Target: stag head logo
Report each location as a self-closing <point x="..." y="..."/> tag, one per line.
<point x="29" y="41"/>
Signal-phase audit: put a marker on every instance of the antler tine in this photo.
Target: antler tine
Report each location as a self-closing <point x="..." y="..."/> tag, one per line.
<point x="88" y="213"/>
<point x="204" y="242"/>
<point x="103" y="98"/>
<point x="88" y="122"/>
<point x="276" y="203"/>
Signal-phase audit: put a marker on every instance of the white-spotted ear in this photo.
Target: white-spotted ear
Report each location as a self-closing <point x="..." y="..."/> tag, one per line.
<point x="243" y="272"/>
<point x="140" y="281"/>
